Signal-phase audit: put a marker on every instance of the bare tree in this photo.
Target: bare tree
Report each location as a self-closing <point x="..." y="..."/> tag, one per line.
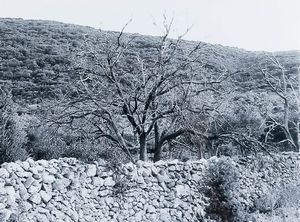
<point x="134" y="98"/>
<point x="287" y="88"/>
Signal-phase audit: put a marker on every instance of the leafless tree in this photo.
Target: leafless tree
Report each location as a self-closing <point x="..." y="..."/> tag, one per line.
<point x="287" y="89"/>
<point x="135" y="99"/>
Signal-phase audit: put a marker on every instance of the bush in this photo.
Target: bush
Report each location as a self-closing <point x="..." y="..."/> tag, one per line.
<point x="45" y="143"/>
<point x="13" y="136"/>
<point x="281" y="203"/>
<point x="223" y="176"/>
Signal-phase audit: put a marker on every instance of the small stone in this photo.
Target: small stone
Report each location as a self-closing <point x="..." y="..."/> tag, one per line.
<point x="160" y="178"/>
<point x="139" y="163"/>
<point x="24" y="174"/>
<point x="70" y="175"/>
<point x="11" y="201"/>
<point x="34" y="188"/>
<point x="23" y="192"/>
<point x="109" y="200"/>
<point x="196" y="177"/>
<point x="140" y="180"/>
<point x="51" y="170"/>
<point x="182" y="190"/>
<point x="28" y="182"/>
<point x="151" y="209"/>
<point x="30" y="161"/>
<point x="103" y="193"/>
<point x="109" y="182"/>
<point x="101" y="162"/>
<point x="35" y="198"/>
<point x="91" y="170"/>
<point x="98" y="181"/>
<point x="25" y="206"/>
<point x="94" y="192"/>
<point x="46" y="196"/>
<point x="10" y="190"/>
<point x="5" y="215"/>
<point x="48" y="179"/>
<point x="139" y="216"/>
<point x="172" y="168"/>
<point x="165" y="215"/>
<point x="25" y="165"/>
<point x="47" y="187"/>
<point x="4" y="173"/>
<point x="2" y="206"/>
<point x="146" y="173"/>
<point x="74" y="215"/>
<point x="43" y="163"/>
<point x="155" y="203"/>
<point x="42" y="218"/>
<point x="84" y="192"/>
<point x="13" y="167"/>
<point x="154" y="171"/>
<point x="34" y="170"/>
<point x="61" y="184"/>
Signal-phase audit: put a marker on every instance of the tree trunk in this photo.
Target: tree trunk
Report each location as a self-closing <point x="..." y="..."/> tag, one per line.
<point x="157" y="146"/>
<point x="297" y="136"/>
<point x="157" y="152"/>
<point x="143" y="147"/>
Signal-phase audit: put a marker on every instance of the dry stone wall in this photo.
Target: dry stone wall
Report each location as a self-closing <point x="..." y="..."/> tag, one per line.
<point x="69" y="190"/>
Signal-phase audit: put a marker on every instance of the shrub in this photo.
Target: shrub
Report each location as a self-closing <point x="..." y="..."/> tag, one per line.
<point x="221" y="182"/>
<point x="282" y="203"/>
<point x="45" y="143"/>
<point x="13" y="136"/>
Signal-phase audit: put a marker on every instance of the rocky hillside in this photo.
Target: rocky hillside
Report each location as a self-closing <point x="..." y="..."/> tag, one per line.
<point x="219" y="189"/>
<point x="37" y="57"/>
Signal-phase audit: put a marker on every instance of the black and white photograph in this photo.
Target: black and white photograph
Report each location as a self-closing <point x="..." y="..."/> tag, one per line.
<point x="150" y="111"/>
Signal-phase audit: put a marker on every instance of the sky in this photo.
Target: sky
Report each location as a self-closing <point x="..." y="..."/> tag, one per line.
<point x="270" y="25"/>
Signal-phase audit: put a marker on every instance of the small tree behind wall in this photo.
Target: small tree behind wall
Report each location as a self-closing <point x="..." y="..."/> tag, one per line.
<point x="287" y="89"/>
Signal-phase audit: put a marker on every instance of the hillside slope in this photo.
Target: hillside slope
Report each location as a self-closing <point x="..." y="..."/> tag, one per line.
<point x="35" y="56"/>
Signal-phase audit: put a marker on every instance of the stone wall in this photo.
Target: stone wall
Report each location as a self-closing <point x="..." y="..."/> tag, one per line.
<point x="69" y="190"/>
<point x="267" y="186"/>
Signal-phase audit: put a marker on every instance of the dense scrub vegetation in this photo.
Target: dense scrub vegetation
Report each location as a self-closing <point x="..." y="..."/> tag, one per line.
<point x="73" y="91"/>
